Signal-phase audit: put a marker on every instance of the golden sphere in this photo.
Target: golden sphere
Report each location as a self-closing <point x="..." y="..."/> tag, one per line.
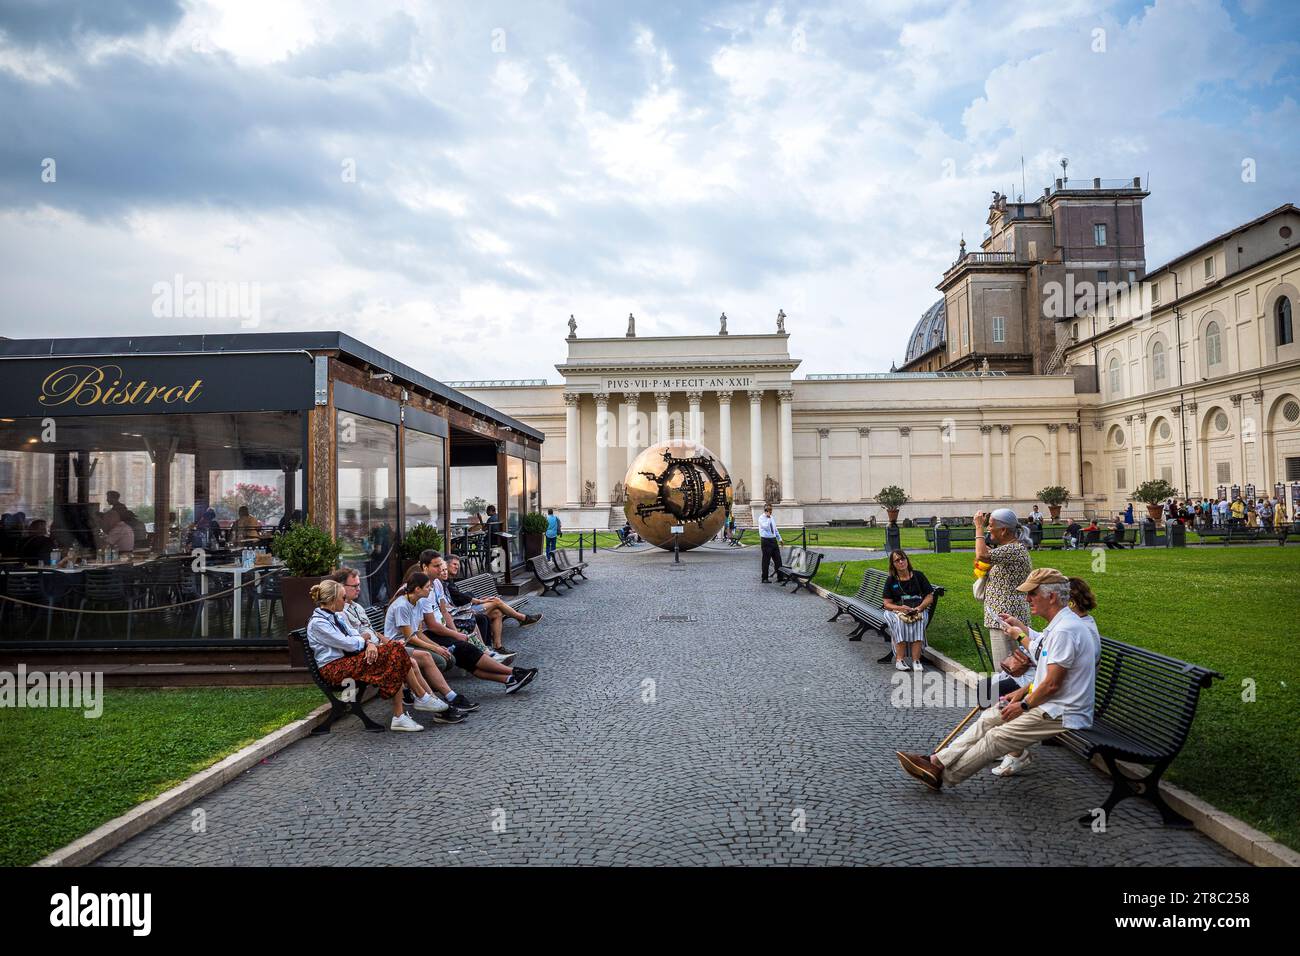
<point x="677" y="482"/>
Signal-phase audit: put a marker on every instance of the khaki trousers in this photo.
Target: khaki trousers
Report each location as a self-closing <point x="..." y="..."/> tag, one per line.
<point x="990" y="738"/>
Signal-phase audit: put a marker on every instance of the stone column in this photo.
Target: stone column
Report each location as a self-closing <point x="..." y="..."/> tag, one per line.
<point x="1054" y="451"/>
<point x="756" y="475"/>
<point x="602" y="450"/>
<point x="696" y="427"/>
<point x="661" y="415"/>
<point x="1076" y="490"/>
<point x="1262" y="441"/>
<point x="1180" y="470"/>
<point x="947" y="438"/>
<point x="1006" y="461"/>
<point x="724" y="428"/>
<point x="864" y="447"/>
<point x="1241" y="444"/>
<point x="905" y="440"/>
<point x="824" y="449"/>
<point x="630" y="401"/>
<point x="986" y="453"/>
<point x="786" y="398"/>
<point x="1198" y="462"/>
<point x="572" y="450"/>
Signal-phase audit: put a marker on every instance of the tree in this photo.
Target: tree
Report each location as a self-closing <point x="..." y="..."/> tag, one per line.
<point x="264" y="503"/>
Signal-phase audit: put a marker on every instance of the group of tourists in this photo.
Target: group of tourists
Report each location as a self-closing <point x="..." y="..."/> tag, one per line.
<point x="430" y="626"/>
<point x="1263" y="512"/>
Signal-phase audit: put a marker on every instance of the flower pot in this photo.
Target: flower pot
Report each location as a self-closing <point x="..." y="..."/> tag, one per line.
<point x="295" y="593"/>
<point x="1157" y="513"/>
<point x="893" y="515"/>
<point x="532" y="545"/>
<point x="1055" y="511"/>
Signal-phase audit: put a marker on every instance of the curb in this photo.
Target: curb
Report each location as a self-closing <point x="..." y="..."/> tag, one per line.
<point x="115" y="832"/>
<point x="1239" y="838"/>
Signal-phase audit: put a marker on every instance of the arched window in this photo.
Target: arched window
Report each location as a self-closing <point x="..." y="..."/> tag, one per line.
<point x="1158" y="362"/>
<point x="1285" y="335"/>
<point x="1112" y="371"/>
<point x="1213" y="345"/>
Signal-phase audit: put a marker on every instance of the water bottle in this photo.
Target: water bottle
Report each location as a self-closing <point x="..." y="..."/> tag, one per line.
<point x="55" y="557"/>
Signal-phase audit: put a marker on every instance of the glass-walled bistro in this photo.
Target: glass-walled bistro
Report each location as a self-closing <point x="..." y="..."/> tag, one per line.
<point x="120" y="457"/>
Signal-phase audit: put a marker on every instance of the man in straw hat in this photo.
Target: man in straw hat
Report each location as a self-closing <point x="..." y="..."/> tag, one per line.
<point x="1059" y="699"/>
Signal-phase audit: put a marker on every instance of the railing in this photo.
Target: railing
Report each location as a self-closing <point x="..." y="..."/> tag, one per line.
<point x="1074" y="185"/>
<point x="984" y="258"/>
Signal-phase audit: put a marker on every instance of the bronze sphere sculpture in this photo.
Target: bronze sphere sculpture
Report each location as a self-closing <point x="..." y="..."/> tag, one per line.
<point x="677" y="482"/>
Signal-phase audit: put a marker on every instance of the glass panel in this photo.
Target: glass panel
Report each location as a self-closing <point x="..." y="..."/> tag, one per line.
<point x="534" y="486"/>
<point x="474" y="486"/>
<point x="422" y="472"/>
<point x="367" y="500"/>
<point x="514" y="493"/>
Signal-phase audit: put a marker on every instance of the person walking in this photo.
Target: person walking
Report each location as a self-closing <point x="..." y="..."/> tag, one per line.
<point x="1010" y="566"/>
<point x="770" y="540"/>
<point x="552" y="533"/>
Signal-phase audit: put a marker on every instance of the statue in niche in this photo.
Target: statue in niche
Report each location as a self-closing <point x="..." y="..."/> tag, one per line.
<point x="723" y="329"/>
<point x="573" y="327"/>
<point x="771" y="490"/>
<point x="741" y="493"/>
<point x="631" y="326"/>
<point x="780" y="321"/>
<point x="589" y="495"/>
<point x="619" y="496"/>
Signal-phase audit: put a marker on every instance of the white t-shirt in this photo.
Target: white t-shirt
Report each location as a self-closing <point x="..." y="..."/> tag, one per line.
<point x="403" y="613"/>
<point x="1074" y="643"/>
<point x="429" y="605"/>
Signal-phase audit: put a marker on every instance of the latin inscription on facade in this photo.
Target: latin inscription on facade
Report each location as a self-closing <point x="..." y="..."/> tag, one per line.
<point x="675" y="383"/>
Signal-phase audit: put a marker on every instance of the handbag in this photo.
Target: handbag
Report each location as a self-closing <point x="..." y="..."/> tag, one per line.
<point x="977" y="588"/>
<point x="1015" y="663"/>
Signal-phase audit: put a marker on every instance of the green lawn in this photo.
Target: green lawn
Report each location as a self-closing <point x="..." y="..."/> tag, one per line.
<point x="62" y="775"/>
<point x="1234" y="610"/>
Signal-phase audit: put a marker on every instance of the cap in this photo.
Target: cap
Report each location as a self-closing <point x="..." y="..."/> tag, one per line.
<point x="1042" y="576"/>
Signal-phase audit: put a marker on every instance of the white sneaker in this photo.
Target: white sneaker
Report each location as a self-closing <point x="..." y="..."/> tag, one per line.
<point x="916" y="665"/>
<point x="1011" y="764"/>
<point x="404" y="722"/>
<point x="431" y="703"/>
<point x="900" y="665"/>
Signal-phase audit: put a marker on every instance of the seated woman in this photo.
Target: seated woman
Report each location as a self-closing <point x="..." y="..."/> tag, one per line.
<point x="908" y="599"/>
<point x="342" y="653"/>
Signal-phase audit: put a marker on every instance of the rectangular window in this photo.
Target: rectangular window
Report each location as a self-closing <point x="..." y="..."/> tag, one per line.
<point x="1167" y="474"/>
<point x="422" y="473"/>
<point x="1223" y="471"/>
<point x="1099" y="234"/>
<point x="367" y="499"/>
<point x="1103" y="275"/>
<point x="1074" y="334"/>
<point x="1121" y="480"/>
<point x="1155" y="293"/>
<point x="1209" y="267"/>
<point x="1132" y="278"/>
<point x="999" y="328"/>
<point x="1293" y="469"/>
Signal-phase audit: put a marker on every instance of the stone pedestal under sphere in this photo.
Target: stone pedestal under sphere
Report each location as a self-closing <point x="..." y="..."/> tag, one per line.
<point x="677" y="482"/>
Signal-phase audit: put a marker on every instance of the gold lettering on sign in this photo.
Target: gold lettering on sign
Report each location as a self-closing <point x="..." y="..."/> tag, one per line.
<point x="87" y="385"/>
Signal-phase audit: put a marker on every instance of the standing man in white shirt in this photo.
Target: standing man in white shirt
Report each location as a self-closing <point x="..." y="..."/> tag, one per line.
<point x="770" y="540"/>
<point x="1059" y="699"/>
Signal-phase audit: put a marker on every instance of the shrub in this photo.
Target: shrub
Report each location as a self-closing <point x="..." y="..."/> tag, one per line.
<point x="420" y="537"/>
<point x="534" y="523"/>
<point x="307" y="551"/>
<point x="1054" y="495"/>
<point x="892" y="497"/>
<point x="1154" y="492"/>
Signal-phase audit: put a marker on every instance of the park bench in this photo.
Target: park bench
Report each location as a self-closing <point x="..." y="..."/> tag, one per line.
<point x="1145" y="703"/>
<point x="1246" y="535"/>
<point x="848" y="522"/>
<point x="564" y="562"/>
<point x="549" y="577"/>
<point x="867" y="607"/>
<point x="958" y="536"/>
<point x="339" y="707"/>
<point x="485" y="586"/>
<point x="801" y="566"/>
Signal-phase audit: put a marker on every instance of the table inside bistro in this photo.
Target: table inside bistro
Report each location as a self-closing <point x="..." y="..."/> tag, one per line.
<point x="237" y="605"/>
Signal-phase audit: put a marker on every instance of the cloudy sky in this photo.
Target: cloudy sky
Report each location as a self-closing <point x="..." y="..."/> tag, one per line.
<point x="450" y="181"/>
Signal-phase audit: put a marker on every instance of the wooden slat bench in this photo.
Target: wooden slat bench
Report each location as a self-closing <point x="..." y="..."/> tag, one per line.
<point x="549" y="577"/>
<point x="485" y="586"/>
<point x="339" y="707"/>
<point x="564" y="562"/>
<point x="801" y="567"/>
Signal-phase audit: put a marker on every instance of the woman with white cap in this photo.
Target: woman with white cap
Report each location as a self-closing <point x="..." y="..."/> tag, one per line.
<point x="1011" y="565"/>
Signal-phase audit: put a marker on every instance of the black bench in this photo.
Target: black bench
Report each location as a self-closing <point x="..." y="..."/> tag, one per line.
<point x="340" y="706"/>
<point x="548" y="576"/>
<point x="1250" y="535"/>
<point x="565" y="562"/>
<point x="867" y="607"/>
<point x="960" y="535"/>
<point x="1145" y="703"/>
<point x="800" y="567"/>
<point x="485" y="586"/>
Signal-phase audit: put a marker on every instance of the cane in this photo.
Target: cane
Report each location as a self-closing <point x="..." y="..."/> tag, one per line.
<point x="958" y="729"/>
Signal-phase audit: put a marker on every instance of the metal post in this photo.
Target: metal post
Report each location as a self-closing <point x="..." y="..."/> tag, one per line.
<point x="803" y="534"/>
<point x="677" y="555"/>
<point x="579" y="547"/>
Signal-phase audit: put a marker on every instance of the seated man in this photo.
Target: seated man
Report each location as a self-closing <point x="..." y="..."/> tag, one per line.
<point x="474" y="628"/>
<point x="493" y="609"/>
<point x="1070" y="537"/>
<point x="1059" y="699"/>
<point x="1115" y="540"/>
<point x="245" y="526"/>
<point x="36" y="547"/>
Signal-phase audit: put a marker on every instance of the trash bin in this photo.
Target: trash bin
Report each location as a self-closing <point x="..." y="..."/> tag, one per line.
<point x="893" y="538"/>
<point x="1175" y="535"/>
<point x="1036" y="535"/>
<point x="1148" y="533"/>
<point x="942" y="539"/>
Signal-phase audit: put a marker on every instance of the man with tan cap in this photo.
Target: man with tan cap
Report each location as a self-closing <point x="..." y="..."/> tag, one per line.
<point x="1059" y="699"/>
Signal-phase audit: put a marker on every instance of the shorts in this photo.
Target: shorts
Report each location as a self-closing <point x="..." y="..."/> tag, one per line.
<point x="466" y="655"/>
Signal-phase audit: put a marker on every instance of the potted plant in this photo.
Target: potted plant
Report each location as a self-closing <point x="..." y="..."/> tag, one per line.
<point x="533" y="528"/>
<point x="473" y="508"/>
<point x="419" y="537"/>
<point x="308" y="554"/>
<point x="891" y="499"/>
<point x="1154" y="494"/>
<point x="1054" y="496"/>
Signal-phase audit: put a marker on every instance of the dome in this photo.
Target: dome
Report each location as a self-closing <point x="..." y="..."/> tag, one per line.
<point x="929" y="332"/>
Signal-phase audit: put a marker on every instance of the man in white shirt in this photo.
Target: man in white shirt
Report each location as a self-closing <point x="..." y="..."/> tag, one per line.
<point x="117" y="533"/>
<point x="1059" y="699"/>
<point x="770" y="541"/>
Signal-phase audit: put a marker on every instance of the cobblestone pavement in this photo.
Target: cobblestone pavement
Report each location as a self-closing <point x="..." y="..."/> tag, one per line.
<point x="770" y="740"/>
